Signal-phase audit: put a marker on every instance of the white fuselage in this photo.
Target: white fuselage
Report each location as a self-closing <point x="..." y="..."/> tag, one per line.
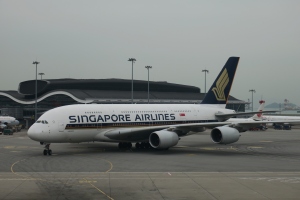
<point x="7" y="120"/>
<point x="90" y="122"/>
<point x="280" y="118"/>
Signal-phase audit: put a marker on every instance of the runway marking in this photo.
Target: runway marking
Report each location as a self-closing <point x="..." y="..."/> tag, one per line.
<point x="12" y="170"/>
<point x="278" y="179"/>
<point x="265" y="141"/>
<point x="255" y="147"/>
<point x="213" y="149"/>
<point x="22" y="147"/>
<point x="15" y="151"/>
<point x="209" y="149"/>
<point x="19" y="147"/>
<point x="9" y="147"/>
<point x="98" y="189"/>
<point x="87" y="181"/>
<point x="111" y="165"/>
<point x="180" y="147"/>
<point x="15" y="179"/>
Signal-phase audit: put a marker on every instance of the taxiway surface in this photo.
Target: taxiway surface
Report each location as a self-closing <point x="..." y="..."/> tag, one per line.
<point x="261" y="165"/>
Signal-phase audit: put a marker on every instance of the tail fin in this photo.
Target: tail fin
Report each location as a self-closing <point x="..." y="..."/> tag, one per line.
<point x="219" y="92"/>
<point x="261" y="107"/>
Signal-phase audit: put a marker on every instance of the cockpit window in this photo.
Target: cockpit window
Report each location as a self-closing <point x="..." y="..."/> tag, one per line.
<point x="42" y="121"/>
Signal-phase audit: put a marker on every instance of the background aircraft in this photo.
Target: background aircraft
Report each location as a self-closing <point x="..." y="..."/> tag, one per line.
<point x="8" y="120"/>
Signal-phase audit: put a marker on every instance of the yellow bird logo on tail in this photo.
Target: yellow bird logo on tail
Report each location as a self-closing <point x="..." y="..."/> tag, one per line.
<point x="221" y="84"/>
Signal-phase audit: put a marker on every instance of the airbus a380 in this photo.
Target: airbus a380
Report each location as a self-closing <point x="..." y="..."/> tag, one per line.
<point x="159" y="126"/>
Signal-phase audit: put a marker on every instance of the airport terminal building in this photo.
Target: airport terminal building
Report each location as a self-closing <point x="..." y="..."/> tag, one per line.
<point x="52" y="93"/>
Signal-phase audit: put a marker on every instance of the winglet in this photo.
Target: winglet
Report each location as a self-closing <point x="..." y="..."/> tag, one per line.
<point x="219" y="91"/>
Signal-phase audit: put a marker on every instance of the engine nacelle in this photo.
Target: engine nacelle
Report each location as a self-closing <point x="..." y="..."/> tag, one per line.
<point x="163" y="139"/>
<point x="224" y="135"/>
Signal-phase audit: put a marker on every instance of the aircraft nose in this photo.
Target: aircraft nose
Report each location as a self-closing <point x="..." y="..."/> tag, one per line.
<point x="32" y="133"/>
<point x="17" y="122"/>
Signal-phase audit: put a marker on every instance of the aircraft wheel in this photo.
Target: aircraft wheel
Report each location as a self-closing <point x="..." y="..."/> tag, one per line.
<point x="129" y="145"/>
<point x="49" y="152"/>
<point x="120" y="145"/>
<point x="125" y="145"/>
<point x="148" y="146"/>
<point x="45" y="152"/>
<point x="137" y="145"/>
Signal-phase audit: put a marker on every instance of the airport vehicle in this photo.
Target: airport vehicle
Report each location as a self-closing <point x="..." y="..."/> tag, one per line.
<point x="159" y="126"/>
<point x="8" y="120"/>
<point x="8" y="132"/>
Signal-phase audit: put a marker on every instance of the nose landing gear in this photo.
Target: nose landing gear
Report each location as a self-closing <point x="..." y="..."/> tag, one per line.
<point x="47" y="150"/>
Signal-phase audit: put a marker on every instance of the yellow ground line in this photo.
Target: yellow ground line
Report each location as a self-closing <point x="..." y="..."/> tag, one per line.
<point x="111" y="165"/>
<point x="12" y="170"/>
<point x="28" y="177"/>
<point x="98" y="189"/>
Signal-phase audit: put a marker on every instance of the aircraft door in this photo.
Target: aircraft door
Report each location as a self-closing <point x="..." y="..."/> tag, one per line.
<point x="61" y="126"/>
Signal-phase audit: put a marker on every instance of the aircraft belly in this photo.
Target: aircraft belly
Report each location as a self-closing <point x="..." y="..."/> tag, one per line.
<point x="77" y="136"/>
<point x="123" y="135"/>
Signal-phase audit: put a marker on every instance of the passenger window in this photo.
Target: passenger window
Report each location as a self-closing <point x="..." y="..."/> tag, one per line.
<point x="38" y="121"/>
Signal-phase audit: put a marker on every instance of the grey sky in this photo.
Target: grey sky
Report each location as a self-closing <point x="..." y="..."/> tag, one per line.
<point x="94" y="39"/>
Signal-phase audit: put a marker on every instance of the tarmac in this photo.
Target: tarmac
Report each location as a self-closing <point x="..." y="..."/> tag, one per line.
<point x="261" y="165"/>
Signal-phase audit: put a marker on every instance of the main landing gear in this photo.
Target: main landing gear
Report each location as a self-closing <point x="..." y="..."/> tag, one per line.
<point x="47" y="150"/>
<point x="125" y="145"/>
<point x="138" y="145"/>
<point x="143" y="145"/>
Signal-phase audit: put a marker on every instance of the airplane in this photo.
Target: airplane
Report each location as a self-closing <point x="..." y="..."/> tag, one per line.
<point x="256" y="117"/>
<point x="157" y="126"/>
<point x="271" y="119"/>
<point x="8" y="120"/>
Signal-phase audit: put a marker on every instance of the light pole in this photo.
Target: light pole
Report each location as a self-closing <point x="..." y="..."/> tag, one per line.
<point x="252" y="90"/>
<point x="148" y="67"/>
<point x="35" y="109"/>
<point x="205" y="71"/>
<point x="41" y="75"/>
<point x="132" y="60"/>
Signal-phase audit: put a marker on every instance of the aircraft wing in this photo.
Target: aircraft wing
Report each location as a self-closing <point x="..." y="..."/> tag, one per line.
<point x="281" y="122"/>
<point x="222" y="116"/>
<point x="143" y="133"/>
<point x="249" y="124"/>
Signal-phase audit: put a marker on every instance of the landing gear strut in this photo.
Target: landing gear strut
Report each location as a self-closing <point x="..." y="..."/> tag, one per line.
<point x="125" y="145"/>
<point x="47" y="150"/>
<point x="143" y="145"/>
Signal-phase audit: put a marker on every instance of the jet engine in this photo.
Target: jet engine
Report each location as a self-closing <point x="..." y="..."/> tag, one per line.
<point x="224" y="135"/>
<point x="163" y="139"/>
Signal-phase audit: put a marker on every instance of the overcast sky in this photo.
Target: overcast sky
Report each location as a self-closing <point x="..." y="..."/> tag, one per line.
<point x="94" y="39"/>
